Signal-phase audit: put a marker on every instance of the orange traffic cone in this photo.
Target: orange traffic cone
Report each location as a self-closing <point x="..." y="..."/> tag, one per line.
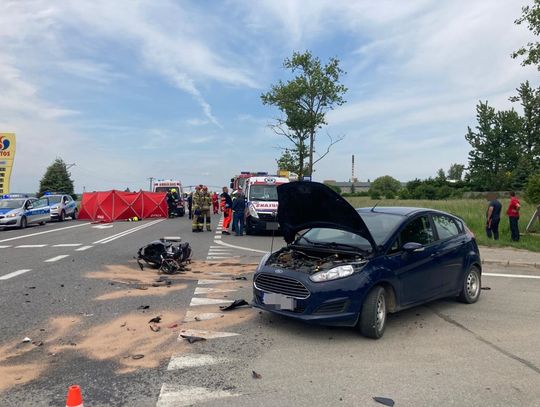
<point x="74" y="397"/>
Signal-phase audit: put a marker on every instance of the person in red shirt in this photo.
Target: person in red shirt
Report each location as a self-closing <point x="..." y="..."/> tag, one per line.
<point x="513" y="216"/>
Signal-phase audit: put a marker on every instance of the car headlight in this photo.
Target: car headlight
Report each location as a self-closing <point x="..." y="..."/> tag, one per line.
<point x="253" y="212"/>
<point x="332" y="274"/>
<point x="12" y="215"/>
<point x="263" y="261"/>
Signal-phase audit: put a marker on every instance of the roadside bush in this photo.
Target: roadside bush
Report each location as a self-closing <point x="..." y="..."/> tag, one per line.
<point x="374" y="195"/>
<point x="532" y="189"/>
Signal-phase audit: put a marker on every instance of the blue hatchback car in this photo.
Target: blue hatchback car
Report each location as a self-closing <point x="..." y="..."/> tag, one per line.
<point x="350" y="267"/>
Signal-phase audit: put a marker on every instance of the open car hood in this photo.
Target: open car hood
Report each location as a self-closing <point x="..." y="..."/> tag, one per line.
<point x="306" y="205"/>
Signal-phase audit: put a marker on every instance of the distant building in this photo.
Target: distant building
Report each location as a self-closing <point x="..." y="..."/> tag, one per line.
<point x="346" y="187"/>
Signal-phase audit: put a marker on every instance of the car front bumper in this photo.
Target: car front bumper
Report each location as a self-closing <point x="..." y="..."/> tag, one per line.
<point x="336" y="302"/>
<point x="10" y="222"/>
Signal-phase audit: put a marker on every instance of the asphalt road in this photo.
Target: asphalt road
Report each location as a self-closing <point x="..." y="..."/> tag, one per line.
<point x="74" y="289"/>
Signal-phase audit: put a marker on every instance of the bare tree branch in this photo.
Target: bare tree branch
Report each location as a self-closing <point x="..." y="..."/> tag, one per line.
<point x="332" y="142"/>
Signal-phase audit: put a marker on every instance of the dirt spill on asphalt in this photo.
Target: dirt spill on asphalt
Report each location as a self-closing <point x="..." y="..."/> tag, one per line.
<point x="126" y="336"/>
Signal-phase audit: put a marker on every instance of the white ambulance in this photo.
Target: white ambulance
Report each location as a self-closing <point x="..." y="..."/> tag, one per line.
<point x="262" y="203"/>
<point x="166" y="185"/>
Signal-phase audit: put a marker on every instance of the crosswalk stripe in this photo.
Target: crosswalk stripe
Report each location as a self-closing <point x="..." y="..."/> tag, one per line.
<point x="193" y="360"/>
<point x="29" y="246"/>
<point x="53" y="259"/>
<point x="206" y="334"/>
<point x="196" y="301"/>
<point x="211" y="281"/>
<point x="180" y="395"/>
<point x="208" y="290"/>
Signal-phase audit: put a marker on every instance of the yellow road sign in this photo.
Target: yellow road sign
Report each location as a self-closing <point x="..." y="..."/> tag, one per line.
<point x="7" y="156"/>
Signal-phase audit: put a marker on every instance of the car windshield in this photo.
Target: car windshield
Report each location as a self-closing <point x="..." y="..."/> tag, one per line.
<point x="335" y="239"/>
<point x="11" y="203"/>
<point x="163" y="189"/>
<point x="381" y="225"/>
<point x="54" y="199"/>
<point x="263" y="193"/>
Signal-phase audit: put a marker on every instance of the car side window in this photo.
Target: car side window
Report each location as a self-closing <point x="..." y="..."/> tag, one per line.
<point x="40" y="203"/>
<point x="446" y="226"/>
<point x="418" y="230"/>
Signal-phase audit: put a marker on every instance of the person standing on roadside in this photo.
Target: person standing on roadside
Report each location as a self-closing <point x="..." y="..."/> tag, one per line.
<point x="493" y="217"/>
<point x="226" y="208"/>
<point x="197" y="224"/>
<point x="206" y="204"/>
<point x="239" y="208"/>
<point x="513" y="216"/>
<point x="190" y="205"/>
<point x="215" y="203"/>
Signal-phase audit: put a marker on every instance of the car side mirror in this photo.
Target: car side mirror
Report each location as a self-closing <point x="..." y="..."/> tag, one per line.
<point x="30" y="206"/>
<point x="413" y="247"/>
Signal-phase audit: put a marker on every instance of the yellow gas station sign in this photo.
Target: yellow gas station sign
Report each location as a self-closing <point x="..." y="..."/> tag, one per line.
<point x="7" y="156"/>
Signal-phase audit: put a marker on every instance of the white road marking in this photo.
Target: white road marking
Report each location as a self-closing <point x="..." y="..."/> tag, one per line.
<point x="106" y="226"/>
<point x="42" y="233"/>
<point x="67" y="245"/>
<point x="193" y="360"/>
<point x="208" y="290"/>
<point x="512" y="275"/>
<point x="195" y="301"/>
<point x="82" y="249"/>
<point x="203" y="316"/>
<point x="240" y="247"/>
<point x="5" y="247"/>
<point x="14" y="274"/>
<point x="53" y="259"/>
<point x="180" y="395"/>
<point x="206" y="334"/>
<point x="217" y="237"/>
<point x="204" y="282"/>
<point x="29" y="246"/>
<point x="127" y="232"/>
<point x="219" y="257"/>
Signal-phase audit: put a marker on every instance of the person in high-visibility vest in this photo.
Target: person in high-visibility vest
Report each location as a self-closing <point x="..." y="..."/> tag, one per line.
<point x="226" y="209"/>
<point x="196" y="224"/>
<point x="206" y="204"/>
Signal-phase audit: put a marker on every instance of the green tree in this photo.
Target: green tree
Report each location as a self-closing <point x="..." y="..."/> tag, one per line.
<point x="532" y="189"/>
<point x="289" y="161"/>
<point x="455" y="172"/>
<point x="56" y="179"/>
<point x="441" y="176"/>
<point x="494" y="151"/>
<point x="385" y="186"/>
<point x="306" y="98"/>
<point x="530" y="15"/>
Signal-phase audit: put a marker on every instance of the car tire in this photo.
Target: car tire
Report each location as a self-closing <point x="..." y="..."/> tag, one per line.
<point x="74" y="215"/>
<point x="24" y="223"/>
<point x="373" y="315"/>
<point x="471" y="287"/>
<point x="62" y="216"/>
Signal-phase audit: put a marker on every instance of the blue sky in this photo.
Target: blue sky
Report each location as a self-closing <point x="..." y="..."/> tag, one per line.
<point x="128" y="90"/>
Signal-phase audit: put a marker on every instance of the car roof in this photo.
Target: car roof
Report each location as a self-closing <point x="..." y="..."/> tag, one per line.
<point x="399" y="210"/>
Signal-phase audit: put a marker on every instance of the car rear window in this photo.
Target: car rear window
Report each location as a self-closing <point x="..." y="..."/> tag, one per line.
<point x="446" y="226"/>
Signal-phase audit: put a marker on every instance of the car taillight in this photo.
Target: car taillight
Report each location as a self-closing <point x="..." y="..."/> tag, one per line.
<point x="469" y="232"/>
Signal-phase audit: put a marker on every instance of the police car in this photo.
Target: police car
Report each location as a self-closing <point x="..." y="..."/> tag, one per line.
<point x="20" y="212"/>
<point x="62" y="206"/>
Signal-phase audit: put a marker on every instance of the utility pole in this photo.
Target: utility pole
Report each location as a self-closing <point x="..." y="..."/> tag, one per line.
<point x="151" y="182"/>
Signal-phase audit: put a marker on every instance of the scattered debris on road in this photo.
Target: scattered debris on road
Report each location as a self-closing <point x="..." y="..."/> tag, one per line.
<point x="155" y="320"/>
<point x="256" y="375"/>
<point x="486" y="288"/>
<point x="192" y="339"/>
<point x="239" y="278"/>
<point x="143" y="307"/>
<point x="155" y="328"/>
<point x="235" y="304"/>
<point x="139" y="356"/>
<point x="26" y="340"/>
<point x="384" y="401"/>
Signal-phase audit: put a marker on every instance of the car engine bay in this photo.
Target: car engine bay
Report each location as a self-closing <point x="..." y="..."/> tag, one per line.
<point x="311" y="261"/>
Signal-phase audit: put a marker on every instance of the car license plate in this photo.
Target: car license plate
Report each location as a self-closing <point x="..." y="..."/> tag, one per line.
<point x="272" y="226"/>
<point x="280" y="301"/>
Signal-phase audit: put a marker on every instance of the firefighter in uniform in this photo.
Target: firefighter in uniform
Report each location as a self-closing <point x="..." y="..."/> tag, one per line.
<point x="226" y="208"/>
<point x="206" y="205"/>
<point x="196" y="205"/>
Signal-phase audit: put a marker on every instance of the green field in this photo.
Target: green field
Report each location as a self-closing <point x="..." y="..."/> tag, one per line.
<point x="473" y="212"/>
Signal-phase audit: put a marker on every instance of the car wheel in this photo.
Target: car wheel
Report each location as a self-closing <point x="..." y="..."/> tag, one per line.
<point x="470" y="292"/>
<point x="62" y="216"/>
<point x="24" y="223"/>
<point x="373" y="315"/>
<point x="74" y="216"/>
